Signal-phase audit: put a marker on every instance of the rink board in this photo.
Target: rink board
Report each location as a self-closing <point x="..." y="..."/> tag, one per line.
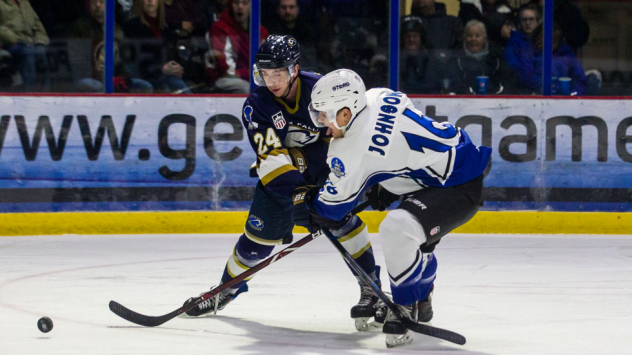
<point x="506" y="222"/>
<point x="191" y="153"/>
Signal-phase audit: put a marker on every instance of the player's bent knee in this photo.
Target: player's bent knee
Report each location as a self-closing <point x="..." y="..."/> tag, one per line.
<point x="250" y="252"/>
<point x="401" y="229"/>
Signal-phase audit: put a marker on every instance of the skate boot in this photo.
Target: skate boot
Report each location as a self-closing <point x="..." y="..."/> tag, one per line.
<point x="213" y="304"/>
<point x="396" y="333"/>
<point x="424" y="308"/>
<point x="380" y="313"/>
<point x="366" y="307"/>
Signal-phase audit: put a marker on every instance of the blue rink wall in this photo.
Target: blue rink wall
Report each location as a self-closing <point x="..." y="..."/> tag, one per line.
<point x="187" y="153"/>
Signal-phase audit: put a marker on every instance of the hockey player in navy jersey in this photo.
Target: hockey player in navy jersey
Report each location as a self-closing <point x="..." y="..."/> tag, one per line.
<point x="291" y="153"/>
<point x="383" y="144"/>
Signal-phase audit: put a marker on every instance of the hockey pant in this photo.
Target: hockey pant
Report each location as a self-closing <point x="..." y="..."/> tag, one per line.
<point x="411" y="272"/>
<point x="410" y="233"/>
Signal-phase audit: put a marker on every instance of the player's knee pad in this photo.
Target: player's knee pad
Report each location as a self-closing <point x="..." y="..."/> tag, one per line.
<point x="354" y="236"/>
<point x="401" y="235"/>
<point x="249" y="252"/>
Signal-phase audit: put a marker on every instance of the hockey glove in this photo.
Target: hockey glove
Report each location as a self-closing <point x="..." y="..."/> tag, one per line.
<point x="318" y="220"/>
<point x="299" y="159"/>
<point x="301" y="214"/>
<point x="380" y="198"/>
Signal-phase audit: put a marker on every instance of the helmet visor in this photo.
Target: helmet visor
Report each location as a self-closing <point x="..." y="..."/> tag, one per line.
<point x="272" y="77"/>
<point x="314" y="116"/>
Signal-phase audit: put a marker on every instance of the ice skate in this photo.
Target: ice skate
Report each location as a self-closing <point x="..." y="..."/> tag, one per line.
<point x="424" y="309"/>
<point x="213" y="304"/>
<point x="396" y="333"/>
<point x="365" y="310"/>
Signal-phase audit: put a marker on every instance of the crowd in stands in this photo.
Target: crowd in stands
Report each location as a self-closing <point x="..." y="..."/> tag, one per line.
<point x="203" y="46"/>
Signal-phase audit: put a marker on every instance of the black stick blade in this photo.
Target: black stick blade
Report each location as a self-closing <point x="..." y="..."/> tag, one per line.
<point x="140" y="319"/>
<point x="435" y="332"/>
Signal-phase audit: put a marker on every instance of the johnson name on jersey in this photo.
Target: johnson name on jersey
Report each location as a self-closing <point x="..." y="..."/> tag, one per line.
<point x="273" y="127"/>
<point x="392" y="143"/>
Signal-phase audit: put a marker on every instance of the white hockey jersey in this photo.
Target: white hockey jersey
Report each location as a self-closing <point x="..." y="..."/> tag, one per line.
<point x="392" y="143"/>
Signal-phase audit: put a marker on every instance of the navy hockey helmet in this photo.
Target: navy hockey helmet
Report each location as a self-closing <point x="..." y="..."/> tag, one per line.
<point x="277" y="51"/>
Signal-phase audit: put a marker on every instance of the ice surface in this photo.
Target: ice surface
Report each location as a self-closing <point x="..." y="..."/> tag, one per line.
<point x="507" y="294"/>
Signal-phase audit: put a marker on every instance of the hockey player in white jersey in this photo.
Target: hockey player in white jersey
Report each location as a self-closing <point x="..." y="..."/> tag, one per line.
<point x="384" y="144"/>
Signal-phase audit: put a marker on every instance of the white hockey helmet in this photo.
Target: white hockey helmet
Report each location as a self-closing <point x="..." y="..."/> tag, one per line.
<point x="339" y="89"/>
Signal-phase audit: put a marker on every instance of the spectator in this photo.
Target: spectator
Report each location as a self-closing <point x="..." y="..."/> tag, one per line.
<point x="529" y="19"/>
<point x="421" y="71"/>
<point x="565" y="63"/>
<point x="570" y="20"/>
<point x="493" y="13"/>
<point x="288" y="22"/>
<point x="524" y="56"/>
<point x="91" y="27"/>
<point x="519" y="49"/>
<point x="184" y="17"/>
<point x="210" y="10"/>
<point x="508" y="27"/>
<point x="479" y="57"/>
<point x="24" y="37"/>
<point x="148" y="23"/>
<point x="443" y="31"/>
<point x="229" y="42"/>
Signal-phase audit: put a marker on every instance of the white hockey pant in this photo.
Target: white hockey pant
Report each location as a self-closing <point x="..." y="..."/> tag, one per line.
<point x="401" y="236"/>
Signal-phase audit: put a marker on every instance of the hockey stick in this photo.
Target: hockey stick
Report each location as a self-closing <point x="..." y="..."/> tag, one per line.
<point x="153" y="321"/>
<point x="408" y="323"/>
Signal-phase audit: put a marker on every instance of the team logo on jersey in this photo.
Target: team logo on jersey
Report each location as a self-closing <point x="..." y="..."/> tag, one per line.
<point x="279" y="120"/>
<point x="248" y="116"/>
<point x="299" y="137"/>
<point x="291" y="42"/>
<point x="337" y="167"/>
<point x="255" y="222"/>
<point x="435" y="230"/>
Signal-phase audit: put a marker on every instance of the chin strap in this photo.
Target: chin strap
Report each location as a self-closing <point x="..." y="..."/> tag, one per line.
<point x="289" y="88"/>
<point x="343" y="129"/>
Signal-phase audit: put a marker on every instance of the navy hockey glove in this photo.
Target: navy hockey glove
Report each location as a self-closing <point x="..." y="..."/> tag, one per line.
<point x="301" y="214"/>
<point x="380" y="198"/>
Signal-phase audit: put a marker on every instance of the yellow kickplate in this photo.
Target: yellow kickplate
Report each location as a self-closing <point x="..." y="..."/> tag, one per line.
<point x="520" y="222"/>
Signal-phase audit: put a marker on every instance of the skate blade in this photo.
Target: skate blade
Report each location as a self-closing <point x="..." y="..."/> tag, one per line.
<point x="203" y="315"/>
<point x="396" y="340"/>
<point x="366" y="324"/>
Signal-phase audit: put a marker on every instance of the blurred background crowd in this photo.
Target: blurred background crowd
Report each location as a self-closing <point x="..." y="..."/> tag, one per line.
<point x="202" y="46"/>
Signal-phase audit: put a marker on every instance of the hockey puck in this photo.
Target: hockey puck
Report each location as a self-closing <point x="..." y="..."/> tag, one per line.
<point x="45" y="325"/>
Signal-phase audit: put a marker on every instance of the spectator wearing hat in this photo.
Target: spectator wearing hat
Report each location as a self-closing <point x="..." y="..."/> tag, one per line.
<point x="442" y="30"/>
<point x="422" y="70"/>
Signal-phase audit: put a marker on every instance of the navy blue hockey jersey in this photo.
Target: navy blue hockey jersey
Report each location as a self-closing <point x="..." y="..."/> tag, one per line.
<point x="273" y="128"/>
